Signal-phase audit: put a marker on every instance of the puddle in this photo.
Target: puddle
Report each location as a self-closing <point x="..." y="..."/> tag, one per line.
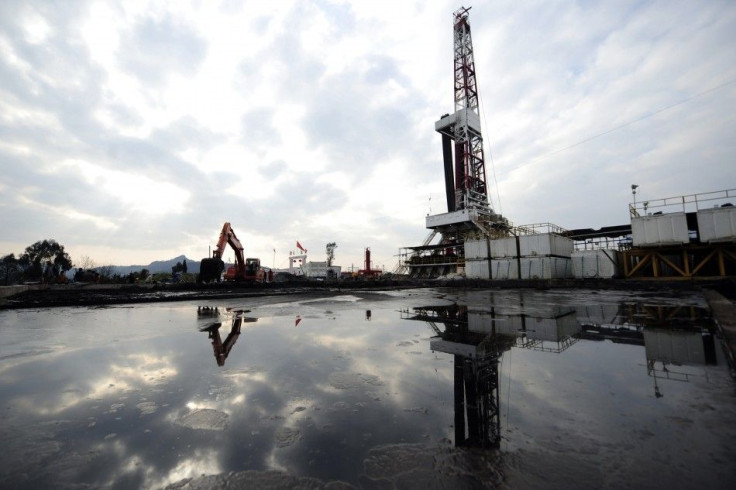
<point x="412" y="389"/>
<point x="204" y="419"/>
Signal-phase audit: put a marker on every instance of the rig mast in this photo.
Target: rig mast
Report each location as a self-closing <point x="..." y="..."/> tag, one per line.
<point x="468" y="211"/>
<point x="463" y="126"/>
<point x="465" y="175"/>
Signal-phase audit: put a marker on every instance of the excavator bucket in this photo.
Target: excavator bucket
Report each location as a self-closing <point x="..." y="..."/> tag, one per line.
<point x="210" y="269"/>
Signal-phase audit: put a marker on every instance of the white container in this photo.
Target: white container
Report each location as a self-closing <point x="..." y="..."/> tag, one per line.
<point x="603" y="314"/>
<point x="601" y="263"/>
<point x="674" y="346"/>
<point x="456" y="348"/>
<point x="460" y="117"/>
<point x="545" y="244"/>
<point x="477" y="269"/>
<point x="476" y="250"/>
<point x="484" y="322"/>
<point x="503" y="248"/>
<point x="717" y="225"/>
<point x="452" y="218"/>
<point x="545" y="268"/>
<point x="540" y="328"/>
<point x="503" y="269"/>
<point x="658" y="230"/>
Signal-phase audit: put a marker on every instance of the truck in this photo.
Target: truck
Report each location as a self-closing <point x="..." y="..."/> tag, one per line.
<point x="244" y="269"/>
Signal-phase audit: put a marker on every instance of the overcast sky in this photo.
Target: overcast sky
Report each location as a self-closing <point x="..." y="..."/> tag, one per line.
<point x="130" y="132"/>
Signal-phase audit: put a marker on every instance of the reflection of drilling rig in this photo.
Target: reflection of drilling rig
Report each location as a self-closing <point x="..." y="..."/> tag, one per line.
<point x="476" y="357"/>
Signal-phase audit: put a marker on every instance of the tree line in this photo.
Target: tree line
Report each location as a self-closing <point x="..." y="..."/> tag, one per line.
<point x="43" y="261"/>
<point x="46" y="261"/>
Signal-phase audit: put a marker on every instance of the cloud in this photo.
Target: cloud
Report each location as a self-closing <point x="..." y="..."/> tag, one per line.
<point x="140" y="128"/>
<point x="154" y="49"/>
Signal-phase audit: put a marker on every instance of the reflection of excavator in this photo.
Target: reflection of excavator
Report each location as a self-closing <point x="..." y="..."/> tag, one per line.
<point x="210" y="269"/>
<point x="222" y="349"/>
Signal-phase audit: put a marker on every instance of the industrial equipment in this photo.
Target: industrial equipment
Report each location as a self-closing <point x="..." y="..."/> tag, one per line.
<point x="368" y="271"/>
<point x="249" y="269"/>
<point x="469" y="212"/>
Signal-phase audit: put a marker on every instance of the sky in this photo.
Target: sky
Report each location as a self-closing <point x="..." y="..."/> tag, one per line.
<point x="131" y="131"/>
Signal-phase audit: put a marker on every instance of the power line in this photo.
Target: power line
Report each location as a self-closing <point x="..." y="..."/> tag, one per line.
<point x="490" y="153"/>
<point x="629" y="123"/>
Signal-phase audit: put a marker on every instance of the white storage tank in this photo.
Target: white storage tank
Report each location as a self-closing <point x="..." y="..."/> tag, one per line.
<point x="477" y="269"/>
<point x="545" y="244"/>
<point x="476" y="250"/>
<point x="658" y="230"/>
<point x="601" y="263"/>
<point x="717" y="224"/>
<point x="545" y="268"/>
<point x="503" y="269"/>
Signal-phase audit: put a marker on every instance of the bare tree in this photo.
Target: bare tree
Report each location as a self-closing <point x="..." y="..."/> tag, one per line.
<point x="86" y="263"/>
<point x="105" y="272"/>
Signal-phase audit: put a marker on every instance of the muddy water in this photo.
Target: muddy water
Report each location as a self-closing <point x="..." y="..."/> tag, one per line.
<point x="415" y="389"/>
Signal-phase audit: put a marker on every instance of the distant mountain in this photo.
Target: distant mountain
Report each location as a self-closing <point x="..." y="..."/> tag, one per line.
<point x="157" y="266"/>
<point x="166" y="265"/>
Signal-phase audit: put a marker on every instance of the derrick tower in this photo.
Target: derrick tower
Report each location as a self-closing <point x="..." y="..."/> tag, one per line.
<point x="468" y="188"/>
<point x="469" y="213"/>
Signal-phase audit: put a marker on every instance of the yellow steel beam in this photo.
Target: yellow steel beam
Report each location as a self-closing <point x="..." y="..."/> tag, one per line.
<point x="669" y="262"/>
<point x="703" y="262"/>
<point x="641" y="264"/>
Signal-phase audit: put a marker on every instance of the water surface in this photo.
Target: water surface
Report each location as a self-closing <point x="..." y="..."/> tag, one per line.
<point x="415" y="389"/>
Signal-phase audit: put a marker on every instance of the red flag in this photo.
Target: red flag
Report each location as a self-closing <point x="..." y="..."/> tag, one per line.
<point x="299" y="246"/>
<point x="298" y="319"/>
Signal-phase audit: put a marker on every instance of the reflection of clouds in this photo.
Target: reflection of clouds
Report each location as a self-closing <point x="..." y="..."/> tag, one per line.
<point x="365" y="387"/>
<point x="139" y="370"/>
<point x="202" y="462"/>
<point x="17" y="359"/>
<point x="275" y="391"/>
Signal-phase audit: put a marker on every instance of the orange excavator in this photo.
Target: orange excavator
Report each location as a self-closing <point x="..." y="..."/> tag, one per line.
<point x="210" y="269"/>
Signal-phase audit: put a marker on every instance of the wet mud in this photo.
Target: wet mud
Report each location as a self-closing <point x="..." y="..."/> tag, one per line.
<point x="100" y="294"/>
<point x="370" y="389"/>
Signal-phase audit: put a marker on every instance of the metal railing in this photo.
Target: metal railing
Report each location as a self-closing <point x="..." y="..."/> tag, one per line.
<point x="692" y="202"/>
<point x="537" y="229"/>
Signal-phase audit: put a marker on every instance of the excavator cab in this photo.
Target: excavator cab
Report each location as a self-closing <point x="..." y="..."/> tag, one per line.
<point x="252" y="266"/>
<point x="253" y="269"/>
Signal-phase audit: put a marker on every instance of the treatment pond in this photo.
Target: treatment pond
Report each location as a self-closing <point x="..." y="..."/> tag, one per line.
<point x="426" y="388"/>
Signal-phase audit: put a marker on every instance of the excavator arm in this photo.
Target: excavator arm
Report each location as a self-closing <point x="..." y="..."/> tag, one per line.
<point x="227" y="237"/>
<point x="238" y="249"/>
<point x="212" y="268"/>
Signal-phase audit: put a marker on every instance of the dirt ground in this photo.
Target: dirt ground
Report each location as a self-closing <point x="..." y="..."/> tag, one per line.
<point x="39" y="296"/>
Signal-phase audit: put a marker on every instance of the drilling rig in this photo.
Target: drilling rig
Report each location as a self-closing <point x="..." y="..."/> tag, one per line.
<point x="469" y="213"/>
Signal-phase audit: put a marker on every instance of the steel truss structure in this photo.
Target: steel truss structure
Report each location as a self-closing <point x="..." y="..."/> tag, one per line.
<point x="470" y="174"/>
<point x="693" y="261"/>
